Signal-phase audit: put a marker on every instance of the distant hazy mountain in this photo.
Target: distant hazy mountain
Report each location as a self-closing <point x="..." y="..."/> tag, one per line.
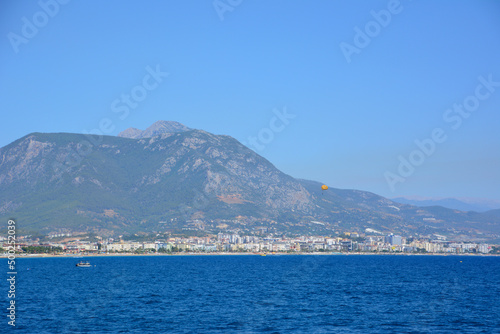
<point x="114" y="184"/>
<point x="452" y="203"/>
<point x="493" y="213"/>
<point x="158" y="128"/>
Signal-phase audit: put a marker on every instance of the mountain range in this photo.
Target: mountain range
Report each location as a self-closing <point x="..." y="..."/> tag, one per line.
<point x="173" y="178"/>
<point x="473" y="204"/>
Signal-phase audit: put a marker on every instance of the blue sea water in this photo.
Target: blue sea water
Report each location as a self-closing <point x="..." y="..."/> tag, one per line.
<point x="255" y="294"/>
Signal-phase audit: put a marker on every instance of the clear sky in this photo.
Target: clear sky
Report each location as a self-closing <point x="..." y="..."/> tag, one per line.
<point x="364" y="80"/>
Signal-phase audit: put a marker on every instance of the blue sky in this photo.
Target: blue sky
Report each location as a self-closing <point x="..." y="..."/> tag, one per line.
<point x="364" y="80"/>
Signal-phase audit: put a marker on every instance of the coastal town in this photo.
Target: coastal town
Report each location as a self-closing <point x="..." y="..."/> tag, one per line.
<point x="349" y="242"/>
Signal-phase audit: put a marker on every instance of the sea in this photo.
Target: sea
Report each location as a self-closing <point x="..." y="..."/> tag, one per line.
<point x="256" y="294"/>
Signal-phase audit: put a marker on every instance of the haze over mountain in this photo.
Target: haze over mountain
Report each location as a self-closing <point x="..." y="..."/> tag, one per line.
<point x="169" y="176"/>
<point x="479" y="205"/>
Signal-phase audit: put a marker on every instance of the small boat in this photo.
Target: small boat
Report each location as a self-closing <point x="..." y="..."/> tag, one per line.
<point x="83" y="264"/>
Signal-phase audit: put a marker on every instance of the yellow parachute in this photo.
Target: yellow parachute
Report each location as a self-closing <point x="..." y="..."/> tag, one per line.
<point x="324" y="187"/>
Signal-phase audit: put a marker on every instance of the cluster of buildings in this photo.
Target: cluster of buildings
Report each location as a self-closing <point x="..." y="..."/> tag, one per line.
<point x="233" y="242"/>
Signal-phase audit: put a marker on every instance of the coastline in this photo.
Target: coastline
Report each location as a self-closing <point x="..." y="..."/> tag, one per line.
<point x="78" y="256"/>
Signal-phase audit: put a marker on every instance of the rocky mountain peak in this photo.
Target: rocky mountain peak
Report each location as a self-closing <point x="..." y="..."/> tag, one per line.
<point x="156" y="129"/>
<point x="131" y="133"/>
